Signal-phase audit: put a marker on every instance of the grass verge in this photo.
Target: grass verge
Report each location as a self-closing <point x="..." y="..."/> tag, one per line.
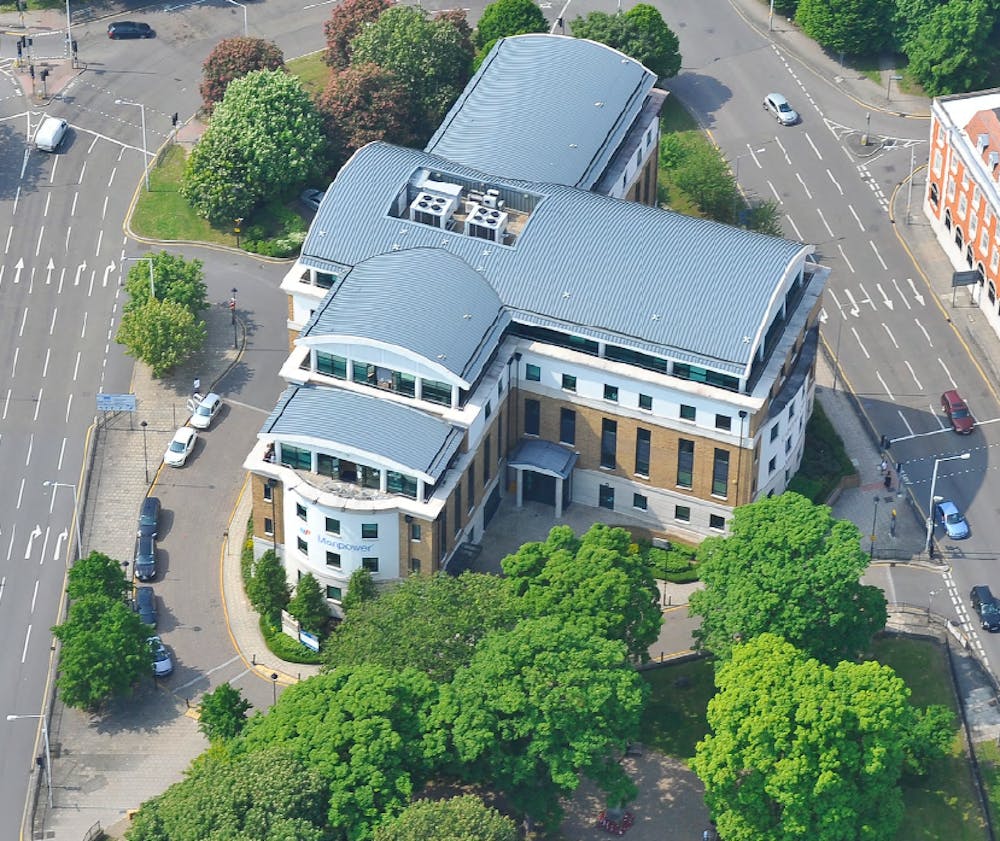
<point x="824" y="461"/>
<point x="312" y="72"/>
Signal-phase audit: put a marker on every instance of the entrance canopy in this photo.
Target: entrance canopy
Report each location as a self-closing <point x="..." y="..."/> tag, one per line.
<point x="543" y="457"/>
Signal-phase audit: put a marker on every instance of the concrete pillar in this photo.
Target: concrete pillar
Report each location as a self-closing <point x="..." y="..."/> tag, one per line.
<point x="520" y="487"/>
<point x="559" y="494"/>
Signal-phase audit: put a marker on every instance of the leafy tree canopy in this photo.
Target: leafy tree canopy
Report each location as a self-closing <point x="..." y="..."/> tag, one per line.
<point x="267" y="795"/>
<point x="464" y="818"/>
<point x="431" y="623"/>
<point x="160" y="333"/>
<point x="598" y="576"/>
<point x="540" y="705"/>
<point x="854" y="27"/>
<point x="360" y="589"/>
<point x="173" y="279"/>
<point x="267" y="588"/>
<point x="908" y="16"/>
<point x="640" y="33"/>
<point x="346" y="20"/>
<point x="232" y="58"/>
<point x="787" y="568"/>
<point x="97" y="575"/>
<point x="308" y="605"/>
<point x="222" y="713"/>
<point x="265" y="136"/>
<point x="801" y="750"/>
<point x="503" y="18"/>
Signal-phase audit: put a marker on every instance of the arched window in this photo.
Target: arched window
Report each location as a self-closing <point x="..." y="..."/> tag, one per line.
<point x="991" y="290"/>
<point x="934" y="194"/>
<point x="947" y="219"/>
<point x="959" y="239"/>
<point x="968" y="256"/>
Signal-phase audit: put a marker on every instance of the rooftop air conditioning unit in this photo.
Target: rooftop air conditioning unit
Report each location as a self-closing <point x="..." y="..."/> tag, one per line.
<point x="429" y="209"/>
<point x="486" y="223"/>
<point x="492" y="199"/>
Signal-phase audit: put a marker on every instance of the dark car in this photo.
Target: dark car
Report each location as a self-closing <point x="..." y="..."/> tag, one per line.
<point x="129" y="29"/>
<point x="145" y="605"/>
<point x="986" y="606"/>
<point x="145" y="557"/>
<point x="958" y="412"/>
<point x="149" y="516"/>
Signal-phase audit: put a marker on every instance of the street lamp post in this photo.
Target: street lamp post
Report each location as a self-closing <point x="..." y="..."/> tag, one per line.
<point x="871" y="549"/>
<point x="232" y="310"/>
<point x="69" y="30"/>
<point x="152" y="282"/>
<point x="274" y="688"/>
<point x="145" y="460"/>
<point x="48" y="753"/>
<point x="76" y="509"/>
<point x="930" y="504"/>
<point x="770" y="16"/>
<point x="145" y="153"/>
<point x="246" y="31"/>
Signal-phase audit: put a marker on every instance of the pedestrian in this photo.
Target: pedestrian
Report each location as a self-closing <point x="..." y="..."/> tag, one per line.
<point x="197" y="385"/>
<point x="887" y="481"/>
<point x="883" y="467"/>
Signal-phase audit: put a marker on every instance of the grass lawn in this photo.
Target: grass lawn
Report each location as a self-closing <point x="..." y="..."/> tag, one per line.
<point x="674" y="720"/>
<point x="312" y="72"/>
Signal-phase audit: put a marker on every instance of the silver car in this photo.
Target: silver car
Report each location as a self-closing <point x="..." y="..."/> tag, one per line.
<point x="780" y="109"/>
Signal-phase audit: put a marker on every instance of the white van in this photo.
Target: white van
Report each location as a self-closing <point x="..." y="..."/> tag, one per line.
<point x="50" y="134"/>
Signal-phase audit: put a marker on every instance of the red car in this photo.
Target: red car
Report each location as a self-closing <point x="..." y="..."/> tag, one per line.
<point x="958" y="413"/>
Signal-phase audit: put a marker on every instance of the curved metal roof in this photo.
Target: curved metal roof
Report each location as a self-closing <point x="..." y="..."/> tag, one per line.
<point x="545" y="108"/>
<point x="425" y="300"/>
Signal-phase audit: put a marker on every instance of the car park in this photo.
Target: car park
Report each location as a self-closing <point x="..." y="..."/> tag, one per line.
<point x="205" y="412"/>
<point x="180" y="447"/>
<point x="946" y="514"/>
<point x="312" y="198"/>
<point x="50" y="134"/>
<point x="957" y="412"/>
<point x="778" y="107"/>
<point x="986" y="606"/>
<point x="145" y="557"/>
<point x="163" y="665"/>
<point x="129" y="29"/>
<point x="145" y="605"/>
<point x="149" y="516"/>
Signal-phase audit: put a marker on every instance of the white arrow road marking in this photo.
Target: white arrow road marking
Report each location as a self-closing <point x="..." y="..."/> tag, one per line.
<point x="35" y="532"/>
<point x="48" y="270"/>
<point x="17" y="269"/>
<point x="822" y="315"/>
<point x="80" y="268"/>
<point x="885" y="298"/>
<point x="59" y="541"/>
<point x="868" y="298"/>
<point x="107" y="271"/>
<point x="916" y="295"/>
<point x="855" y="311"/>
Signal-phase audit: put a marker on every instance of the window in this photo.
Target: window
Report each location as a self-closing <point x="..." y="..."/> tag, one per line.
<point x="333" y="560"/>
<point x="268" y="492"/>
<point x="682" y="513"/>
<point x="606" y="497"/>
<point x="268" y="525"/>
<point x="300" y="511"/>
<point x="611" y="393"/>
<point x="640" y="502"/>
<point x="370" y="564"/>
<point x="470" y="488"/>
<point x="772" y="465"/>
<point x="303" y="546"/>
<point x="645" y="402"/>
<point x="327" y="465"/>
<point x="687" y="412"/>
<point x="716" y="522"/>
<point x="499" y="389"/>
<point x="333" y="366"/>
<point x="723" y="422"/>
<point x="788" y="445"/>
<point x="720" y="473"/>
<point x="532" y="373"/>
<point x="489" y="410"/>
<point x="332" y="525"/>
<point x="400" y="483"/>
<point x="415" y="532"/>
<point x="363" y="373"/>
<point x="963" y="205"/>
<point x="487" y="459"/>
<point x="369" y="531"/>
<point x="791" y="410"/>
<point x="569" y="382"/>
<point x="415" y="565"/>
<point x="567" y="426"/>
<point x="333" y="593"/>
<point x="435" y="392"/>
<point x="775" y="431"/>
<point x="296" y="458"/>
<point x="685" y="463"/>
<point x="532" y="416"/>
<point x="642" y="439"/>
<point x="609" y="442"/>
<point x="458" y="506"/>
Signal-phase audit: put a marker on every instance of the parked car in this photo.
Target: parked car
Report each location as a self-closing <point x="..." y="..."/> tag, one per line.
<point x="947" y="514"/>
<point x="145" y="605"/>
<point x="779" y="108"/>
<point x="986" y="606"/>
<point x="162" y="664"/>
<point x="206" y="411"/>
<point x="145" y="557"/>
<point x="149" y="516"/>
<point x="312" y="198"/>
<point x="50" y="134"/>
<point x="958" y="413"/>
<point x="180" y="447"/>
<point x="129" y="29"/>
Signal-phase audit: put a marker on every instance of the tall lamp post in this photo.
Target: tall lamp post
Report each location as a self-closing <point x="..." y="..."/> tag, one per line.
<point x="930" y="504"/>
<point x="48" y="753"/>
<point x="871" y="549"/>
<point x="152" y="282"/>
<point x="274" y="688"/>
<point x="246" y="31"/>
<point x="76" y="509"/>
<point x="69" y="30"/>
<point x="145" y="153"/>
<point x="232" y="311"/>
<point x="145" y="460"/>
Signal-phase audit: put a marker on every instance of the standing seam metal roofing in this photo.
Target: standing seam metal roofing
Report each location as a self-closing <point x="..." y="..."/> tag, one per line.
<point x="563" y="128"/>
<point x="676" y="282"/>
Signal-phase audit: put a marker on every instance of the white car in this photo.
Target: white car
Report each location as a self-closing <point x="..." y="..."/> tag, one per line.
<point x="162" y="664"/>
<point x="180" y="447"/>
<point x="205" y="412"/>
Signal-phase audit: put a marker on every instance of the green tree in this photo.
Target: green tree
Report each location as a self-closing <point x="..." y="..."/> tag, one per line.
<point x="640" y="33"/>
<point x="267" y="588"/>
<point x="787" y="568"/>
<point x="222" y="713"/>
<point x="430" y="623"/>
<point x="701" y="174"/>
<point x="97" y="575"/>
<point x="798" y="750"/>
<point x="855" y="27"/>
<point x="954" y="48"/>
<point x="503" y="18"/>
<point x="267" y="795"/>
<point x="104" y="652"/>
<point x="908" y="16"/>
<point x="160" y="333"/>
<point x="346" y="20"/>
<point x="265" y="137"/>
<point x="308" y="605"/>
<point x="541" y="705"/>
<point x="232" y="58"/>
<point x="464" y="818"/>
<point x="598" y="576"/>
<point x="427" y="55"/>
<point x="365" y="730"/>
<point x="361" y="589"/>
<point x="173" y="279"/>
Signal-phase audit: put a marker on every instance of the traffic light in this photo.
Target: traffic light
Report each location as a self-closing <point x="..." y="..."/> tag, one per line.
<point x="173" y="119"/>
<point x="31" y="70"/>
<point x="19" y="49"/>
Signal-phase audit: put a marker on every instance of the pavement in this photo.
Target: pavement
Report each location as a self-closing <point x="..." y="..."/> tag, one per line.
<point x="99" y="770"/>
